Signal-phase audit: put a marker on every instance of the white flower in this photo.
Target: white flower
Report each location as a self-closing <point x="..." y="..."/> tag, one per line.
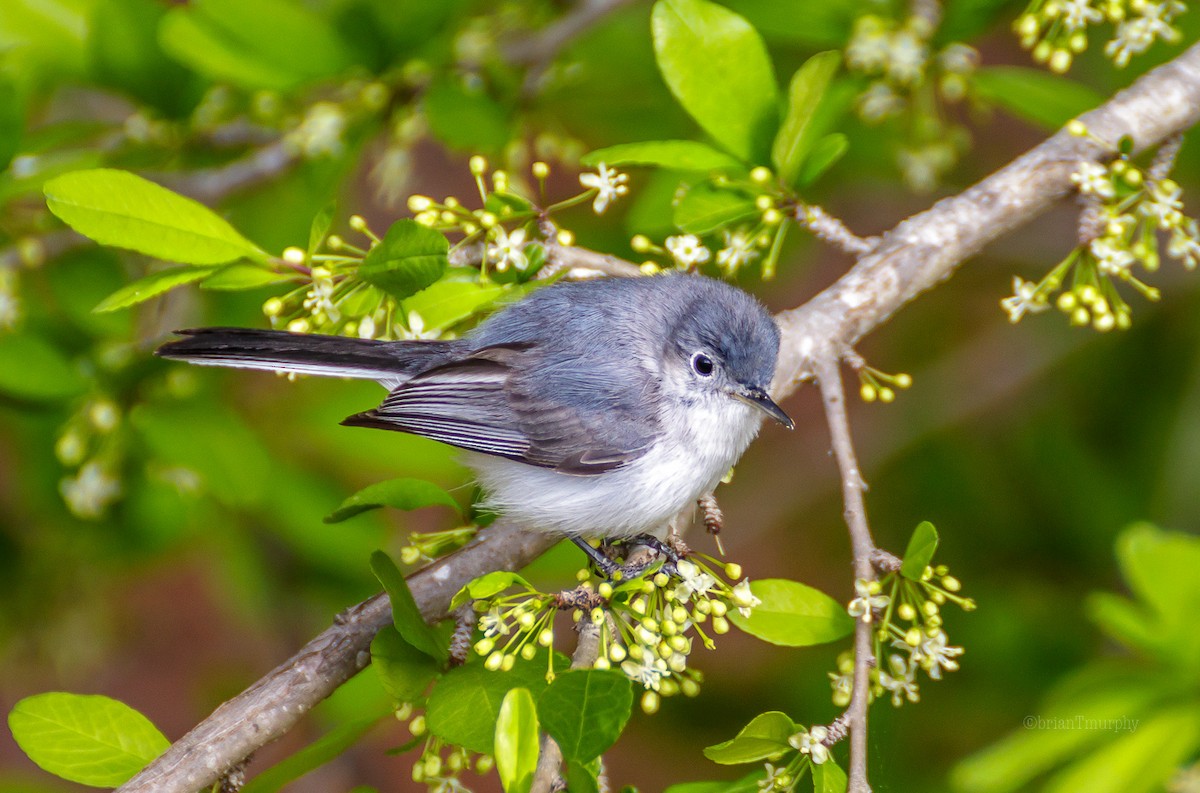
<point x="868" y="599"/>
<point x="1164" y="204"/>
<point x="493" y="624"/>
<point x="1112" y="257"/>
<point x="1093" y="179"/>
<point x="608" y="183"/>
<point x="868" y="47"/>
<point x="687" y="251"/>
<point x="743" y="598"/>
<point x="649" y="671"/>
<point x="319" y="299"/>
<point x="843" y="688"/>
<point x="320" y="133"/>
<point x="692" y="581"/>
<point x="508" y="249"/>
<point x="901" y="682"/>
<point x="958" y="58"/>
<point x="366" y="327"/>
<point x="906" y="57"/>
<point x="811" y="743"/>
<point x="1185" y="245"/>
<point x="90" y="492"/>
<point x="1136" y="34"/>
<point x="416" y="328"/>
<point x="878" y="102"/>
<point x="1024" y="299"/>
<point x="935" y="655"/>
<point x="775" y="778"/>
<point x="1078" y="14"/>
<point x="739" y="250"/>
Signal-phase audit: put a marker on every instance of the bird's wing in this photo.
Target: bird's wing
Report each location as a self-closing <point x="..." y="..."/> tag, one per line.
<point x="496" y="401"/>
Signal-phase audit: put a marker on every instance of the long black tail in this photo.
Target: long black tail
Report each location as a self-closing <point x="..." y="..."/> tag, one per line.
<point x="389" y="362"/>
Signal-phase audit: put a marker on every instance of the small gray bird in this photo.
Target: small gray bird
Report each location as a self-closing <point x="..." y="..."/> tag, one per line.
<point x="599" y="408"/>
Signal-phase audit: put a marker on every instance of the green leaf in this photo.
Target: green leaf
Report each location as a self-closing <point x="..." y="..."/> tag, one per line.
<point x="405" y="494"/>
<point x="405" y="614"/>
<point x="125" y="53"/>
<point x="717" y="66"/>
<point x="706" y="208"/>
<point x="89" y="739"/>
<point x="746" y="784"/>
<point x="919" y="553"/>
<point x="585" y="711"/>
<point x="449" y="302"/>
<point x="32" y="368"/>
<point x="465" y="702"/>
<point x="12" y="122"/>
<point x="319" y="229"/>
<point x="466" y="118"/>
<point x="1035" y="95"/>
<point x="679" y="155"/>
<point x="516" y="745"/>
<point x="153" y="285"/>
<point x="241" y="276"/>
<point x="582" y="777"/>
<point x="799" y="132"/>
<point x="487" y="585"/>
<point x="409" y="258"/>
<point x="793" y="615"/>
<point x="824" y="155"/>
<point x="765" y="737"/>
<point x="815" y="25"/>
<point x="318" y="753"/>
<point x="403" y="670"/>
<point x="119" y="208"/>
<point x="828" y="777"/>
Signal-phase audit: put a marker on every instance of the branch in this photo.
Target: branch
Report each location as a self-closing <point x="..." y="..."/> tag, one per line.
<point x="910" y="259"/>
<point x="548" y="774"/>
<point x="538" y="50"/>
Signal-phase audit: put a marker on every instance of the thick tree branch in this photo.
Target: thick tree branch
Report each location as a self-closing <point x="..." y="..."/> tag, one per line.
<point x="908" y="260"/>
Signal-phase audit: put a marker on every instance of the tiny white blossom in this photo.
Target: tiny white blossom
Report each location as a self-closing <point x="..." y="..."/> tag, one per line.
<point x="366" y="327"/>
<point x="649" y="671"/>
<point x="1164" y="204"/>
<point x="508" y="250"/>
<point x="492" y="623"/>
<point x="692" y="581"/>
<point x="1185" y="245"/>
<point x="1093" y="179"/>
<point x="811" y="743"/>
<point x="1024" y="299"/>
<point x="1112" y="257"/>
<point x="739" y="250"/>
<point x="318" y="301"/>
<point x="901" y="682"/>
<point x="867" y="601"/>
<point x="843" y="688"/>
<point x="90" y="492"/>
<point x="687" y="250"/>
<point x="773" y="779"/>
<point x="1078" y="14"/>
<point x="935" y="655"/>
<point x="906" y="57"/>
<point x="868" y="47"/>
<point x="959" y="58"/>
<point x="878" y="102"/>
<point x="320" y="133"/>
<point x="416" y="328"/>
<point x="743" y="598"/>
<point x="608" y="184"/>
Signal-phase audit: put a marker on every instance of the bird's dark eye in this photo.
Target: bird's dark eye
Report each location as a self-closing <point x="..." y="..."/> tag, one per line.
<point x="702" y="364"/>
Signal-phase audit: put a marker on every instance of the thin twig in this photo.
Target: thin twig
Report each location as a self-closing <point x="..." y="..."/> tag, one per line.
<point x="828" y="228"/>
<point x="1164" y="158"/>
<point x="549" y="767"/>
<point x="538" y="50"/>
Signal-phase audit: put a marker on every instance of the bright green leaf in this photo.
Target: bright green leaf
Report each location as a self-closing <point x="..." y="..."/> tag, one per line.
<point x="765" y="737"/>
<point x="919" y="553"/>
<point x="409" y="258"/>
<point x="828" y="777"/>
<point x="793" y="615"/>
<point x="799" y="132"/>
<point x="516" y="743"/>
<point x="449" y="302"/>
<point x="120" y="208"/>
<point x="746" y="784"/>
<point x="90" y="739"/>
<point x="466" y="118"/>
<point x="582" y="777"/>
<point x="487" y="585"/>
<point x="241" y="276"/>
<point x="465" y="702"/>
<point x="319" y="228"/>
<point x="706" y="208"/>
<point x="403" y="670"/>
<point x="405" y="494"/>
<point x="153" y="285"/>
<point x="405" y="614"/>
<point x="585" y="710"/>
<point x="718" y="68"/>
<point x="32" y="368"/>
<point x="679" y="155"/>
<point x="824" y="155"/>
<point x="1036" y="95"/>
<point x="815" y="25"/>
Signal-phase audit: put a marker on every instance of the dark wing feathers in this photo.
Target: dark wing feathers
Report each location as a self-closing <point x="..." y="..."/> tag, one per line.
<point x="487" y="402"/>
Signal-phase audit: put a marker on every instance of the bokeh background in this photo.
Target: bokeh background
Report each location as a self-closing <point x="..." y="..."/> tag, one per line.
<point x="1030" y="447"/>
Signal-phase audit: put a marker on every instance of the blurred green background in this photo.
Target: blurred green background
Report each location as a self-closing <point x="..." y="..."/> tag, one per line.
<point x="1030" y="447"/>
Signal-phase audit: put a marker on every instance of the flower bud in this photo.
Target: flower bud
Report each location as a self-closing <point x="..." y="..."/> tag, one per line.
<point x="478" y="165"/>
<point x="417" y="726"/>
<point x="650" y="703"/>
<point x="720" y="625"/>
<point x="540" y="170"/>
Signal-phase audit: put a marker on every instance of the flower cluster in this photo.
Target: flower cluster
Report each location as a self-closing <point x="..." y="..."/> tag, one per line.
<point x="908" y="79"/>
<point x="647" y="625"/>
<point x="427" y="546"/>
<point x="440" y="764"/>
<point x="875" y="384"/>
<point x="1132" y="210"/>
<point x="1057" y="30"/>
<point x="811" y="750"/>
<point x="87" y="443"/>
<point x="910" y="628"/>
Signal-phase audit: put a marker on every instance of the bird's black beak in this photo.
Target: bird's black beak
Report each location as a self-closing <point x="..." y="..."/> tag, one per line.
<point x="759" y="399"/>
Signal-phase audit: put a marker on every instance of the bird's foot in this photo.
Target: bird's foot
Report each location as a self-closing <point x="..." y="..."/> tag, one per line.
<point x="635" y="564"/>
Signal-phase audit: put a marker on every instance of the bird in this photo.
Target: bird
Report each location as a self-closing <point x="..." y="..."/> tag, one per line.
<point x="596" y="409"/>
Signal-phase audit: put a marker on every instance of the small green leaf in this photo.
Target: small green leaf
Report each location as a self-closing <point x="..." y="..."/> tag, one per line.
<point x="1035" y="95"/>
<point x="678" y="155"/>
<point x="89" y="739"/>
<point x="405" y="614"/>
<point x="319" y="228"/>
<point x="706" y="208"/>
<point x="793" y="615"/>
<point x="824" y="155"/>
<point x="718" y="68"/>
<point x="516" y="744"/>
<point x="466" y="118"/>
<point x="153" y="285"/>
<point x="120" y="208"/>
<point x="405" y="494"/>
<point x="585" y="711"/>
<point x="487" y="585"/>
<point x="799" y="131"/>
<point x="32" y="368"/>
<point x="828" y="777"/>
<point x="241" y="276"/>
<point x="582" y="777"/>
<point x="921" y="547"/>
<point x="409" y="258"/>
<point x="449" y="302"/>
<point x="465" y="702"/>
<point x="765" y="737"/>
<point x="746" y="784"/>
<point x="403" y="670"/>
